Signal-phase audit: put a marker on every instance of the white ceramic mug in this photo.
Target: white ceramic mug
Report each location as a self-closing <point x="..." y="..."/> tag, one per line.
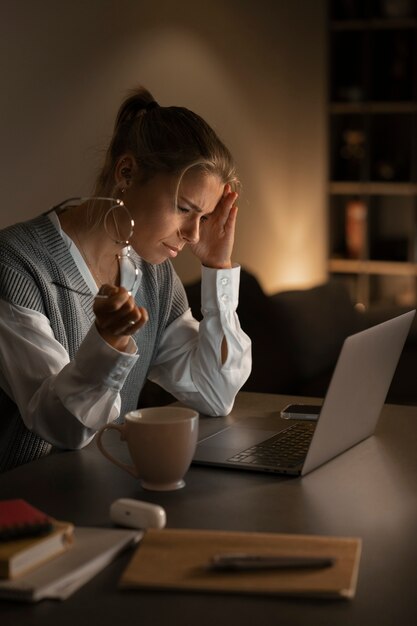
<point x="161" y="443"/>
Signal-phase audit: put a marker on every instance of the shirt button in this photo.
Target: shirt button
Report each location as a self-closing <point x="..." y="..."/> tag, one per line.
<point x="224" y="281"/>
<point x="224" y="297"/>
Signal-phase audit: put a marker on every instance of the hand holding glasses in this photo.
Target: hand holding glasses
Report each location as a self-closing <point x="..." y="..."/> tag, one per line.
<point x="116" y="219"/>
<point x="118" y="316"/>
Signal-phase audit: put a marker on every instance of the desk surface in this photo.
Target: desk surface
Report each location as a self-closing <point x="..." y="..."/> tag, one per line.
<point x="368" y="492"/>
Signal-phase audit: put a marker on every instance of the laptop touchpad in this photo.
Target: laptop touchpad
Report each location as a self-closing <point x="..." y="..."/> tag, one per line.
<point x="235" y="439"/>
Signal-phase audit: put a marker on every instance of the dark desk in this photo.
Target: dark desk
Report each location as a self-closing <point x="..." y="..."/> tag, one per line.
<point x="369" y="492"/>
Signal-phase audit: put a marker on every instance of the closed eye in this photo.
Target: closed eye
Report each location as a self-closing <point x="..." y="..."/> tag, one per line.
<point x="183" y="209"/>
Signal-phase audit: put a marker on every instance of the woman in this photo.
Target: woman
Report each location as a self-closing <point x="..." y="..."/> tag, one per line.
<point x="90" y="305"/>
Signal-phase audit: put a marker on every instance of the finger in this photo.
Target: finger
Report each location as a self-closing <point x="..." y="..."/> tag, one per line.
<point x="110" y="299"/>
<point x="231" y="196"/>
<point x="131" y="325"/>
<point x="227" y="216"/>
<point x="231" y="219"/>
<point x="134" y="326"/>
<point x="229" y="200"/>
<point x="113" y="308"/>
<point x="224" y="206"/>
<point x="117" y="319"/>
<point x="107" y="290"/>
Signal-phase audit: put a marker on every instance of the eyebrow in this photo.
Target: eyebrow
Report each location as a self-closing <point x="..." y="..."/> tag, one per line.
<point x="191" y="204"/>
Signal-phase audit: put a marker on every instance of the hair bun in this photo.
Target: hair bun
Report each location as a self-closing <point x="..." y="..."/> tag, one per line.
<point x="152" y="105"/>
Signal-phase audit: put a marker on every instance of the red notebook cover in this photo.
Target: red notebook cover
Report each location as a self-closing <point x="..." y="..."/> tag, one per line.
<point x="18" y="518"/>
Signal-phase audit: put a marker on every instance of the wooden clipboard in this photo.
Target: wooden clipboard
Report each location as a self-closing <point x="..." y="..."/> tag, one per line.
<point x="178" y="559"/>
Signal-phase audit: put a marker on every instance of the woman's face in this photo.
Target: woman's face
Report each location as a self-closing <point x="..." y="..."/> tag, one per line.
<point x="161" y="228"/>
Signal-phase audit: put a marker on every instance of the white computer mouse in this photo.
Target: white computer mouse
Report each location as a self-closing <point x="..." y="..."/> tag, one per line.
<point x="137" y="514"/>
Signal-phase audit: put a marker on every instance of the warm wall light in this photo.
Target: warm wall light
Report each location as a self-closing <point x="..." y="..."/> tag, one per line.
<point x="290" y="249"/>
<point x="281" y="233"/>
<point x="256" y="75"/>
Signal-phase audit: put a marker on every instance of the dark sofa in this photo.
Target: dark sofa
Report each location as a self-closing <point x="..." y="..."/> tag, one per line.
<point x="297" y="336"/>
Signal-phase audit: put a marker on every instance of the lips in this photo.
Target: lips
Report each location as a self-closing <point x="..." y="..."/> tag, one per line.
<point x="172" y="250"/>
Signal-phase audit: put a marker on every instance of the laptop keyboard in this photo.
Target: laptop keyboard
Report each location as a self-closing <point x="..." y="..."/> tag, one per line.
<point x="286" y="449"/>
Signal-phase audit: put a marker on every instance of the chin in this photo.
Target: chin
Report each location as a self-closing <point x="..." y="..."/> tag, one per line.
<point x="155" y="255"/>
<point x="155" y="259"/>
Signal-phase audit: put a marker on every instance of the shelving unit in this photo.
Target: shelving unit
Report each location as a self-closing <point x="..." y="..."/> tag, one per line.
<point x="372" y="114"/>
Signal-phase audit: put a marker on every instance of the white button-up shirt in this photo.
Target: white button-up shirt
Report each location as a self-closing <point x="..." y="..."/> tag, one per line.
<point x="66" y="402"/>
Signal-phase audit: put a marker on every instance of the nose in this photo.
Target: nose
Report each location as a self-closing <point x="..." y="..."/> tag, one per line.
<point x="190" y="232"/>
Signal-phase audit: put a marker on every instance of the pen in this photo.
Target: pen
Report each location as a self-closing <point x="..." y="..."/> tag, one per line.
<point x="247" y="562"/>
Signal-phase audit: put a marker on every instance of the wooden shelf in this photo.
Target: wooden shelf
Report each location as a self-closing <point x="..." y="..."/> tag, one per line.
<point x="372" y="116"/>
<point x="375" y="189"/>
<point x="388" y="268"/>
<point x="372" y="107"/>
<point x="403" y="23"/>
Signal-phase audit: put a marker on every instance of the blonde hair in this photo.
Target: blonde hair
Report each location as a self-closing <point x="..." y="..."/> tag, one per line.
<point x="166" y="140"/>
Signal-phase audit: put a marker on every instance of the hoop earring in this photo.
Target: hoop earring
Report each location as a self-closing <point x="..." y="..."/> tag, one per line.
<point x="118" y="237"/>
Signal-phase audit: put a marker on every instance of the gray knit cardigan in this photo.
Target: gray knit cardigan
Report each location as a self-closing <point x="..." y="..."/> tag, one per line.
<point x="33" y="256"/>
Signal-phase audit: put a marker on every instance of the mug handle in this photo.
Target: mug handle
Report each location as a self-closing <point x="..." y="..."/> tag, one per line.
<point x="129" y="468"/>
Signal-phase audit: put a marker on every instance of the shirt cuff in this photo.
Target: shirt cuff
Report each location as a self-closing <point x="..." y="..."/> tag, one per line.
<point x="219" y="289"/>
<point x="100" y="362"/>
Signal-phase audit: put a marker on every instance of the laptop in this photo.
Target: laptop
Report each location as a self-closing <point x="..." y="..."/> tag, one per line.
<point x="349" y="413"/>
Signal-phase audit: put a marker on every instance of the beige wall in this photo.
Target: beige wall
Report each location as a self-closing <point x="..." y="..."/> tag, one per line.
<point x="255" y="69"/>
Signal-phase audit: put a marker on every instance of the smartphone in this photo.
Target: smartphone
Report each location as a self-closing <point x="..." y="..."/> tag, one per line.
<point x="301" y="411"/>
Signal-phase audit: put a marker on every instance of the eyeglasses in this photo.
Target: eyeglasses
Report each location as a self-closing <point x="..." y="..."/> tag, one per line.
<point x="112" y="226"/>
<point x="133" y="271"/>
